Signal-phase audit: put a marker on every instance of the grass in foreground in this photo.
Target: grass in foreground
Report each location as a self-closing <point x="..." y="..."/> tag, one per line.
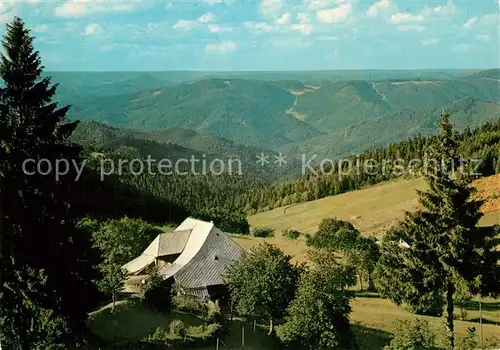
<point x="380" y="314"/>
<point x="133" y="321"/>
<point x="372" y="319"/>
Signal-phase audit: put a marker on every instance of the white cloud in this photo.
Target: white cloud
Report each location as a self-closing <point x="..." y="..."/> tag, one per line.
<point x="490" y="19"/>
<point x="335" y="15"/>
<point x="222" y="47"/>
<point x="470" y="22"/>
<point x="215" y="28"/>
<point x="305" y="28"/>
<point x="92" y="29"/>
<point x="206" y="18"/>
<point x="215" y="2"/>
<point x="270" y="8"/>
<point x="283" y="19"/>
<point x="80" y="8"/>
<point x="442" y="10"/>
<point x="461" y="47"/>
<point x="303" y="18"/>
<point x="406" y="17"/>
<point x="314" y="5"/>
<point x="378" y="7"/>
<point x="41" y="28"/>
<point x="187" y="25"/>
<point x="482" y="37"/>
<point x="108" y="47"/>
<point x="411" y="27"/>
<point x="258" y="27"/>
<point x="184" y="24"/>
<point x="431" y="41"/>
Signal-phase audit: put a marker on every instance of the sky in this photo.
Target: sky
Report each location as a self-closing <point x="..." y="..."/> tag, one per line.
<point x="148" y="35"/>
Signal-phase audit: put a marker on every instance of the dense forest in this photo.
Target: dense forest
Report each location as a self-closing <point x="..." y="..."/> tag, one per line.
<point x="246" y="194"/>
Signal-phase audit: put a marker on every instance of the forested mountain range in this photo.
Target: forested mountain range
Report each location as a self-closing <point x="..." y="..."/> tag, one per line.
<point x="177" y="143"/>
<point x="157" y="197"/>
<point x="339" y="114"/>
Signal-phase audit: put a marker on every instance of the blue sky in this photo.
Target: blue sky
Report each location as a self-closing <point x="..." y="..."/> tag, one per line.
<point x="260" y="35"/>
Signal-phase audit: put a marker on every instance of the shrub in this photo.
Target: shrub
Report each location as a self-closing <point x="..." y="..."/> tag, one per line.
<point x="187" y="303"/>
<point x="412" y="335"/>
<point x="156" y="292"/>
<point x="212" y="313"/>
<point x="177" y="328"/>
<point x="206" y="331"/>
<point x="264" y="232"/>
<point x="469" y="341"/>
<point x="291" y="234"/>
<point x="159" y="335"/>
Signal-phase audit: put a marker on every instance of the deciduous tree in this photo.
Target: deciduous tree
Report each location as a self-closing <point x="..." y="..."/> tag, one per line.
<point x="263" y="283"/>
<point x="318" y="317"/>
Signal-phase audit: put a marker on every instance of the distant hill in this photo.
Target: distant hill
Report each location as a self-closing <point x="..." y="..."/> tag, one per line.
<point x="250" y="112"/>
<point x="488" y="74"/>
<point x="297" y="114"/>
<point x="381" y="130"/>
<point x="176" y="143"/>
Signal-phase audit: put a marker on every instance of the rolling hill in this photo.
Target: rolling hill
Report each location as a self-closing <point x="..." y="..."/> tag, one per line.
<point x="344" y="113"/>
<point x="372" y="210"/>
<point x="382" y="130"/>
<point x="178" y="143"/>
<point x="249" y="112"/>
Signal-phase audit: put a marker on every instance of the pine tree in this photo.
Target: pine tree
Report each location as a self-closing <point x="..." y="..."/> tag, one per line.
<point x="43" y="285"/>
<point x="447" y="248"/>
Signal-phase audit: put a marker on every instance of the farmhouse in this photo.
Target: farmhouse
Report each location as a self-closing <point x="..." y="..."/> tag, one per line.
<point x="195" y="255"/>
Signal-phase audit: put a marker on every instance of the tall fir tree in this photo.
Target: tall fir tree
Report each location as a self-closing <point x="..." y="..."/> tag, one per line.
<point x="42" y="277"/>
<point x="447" y="247"/>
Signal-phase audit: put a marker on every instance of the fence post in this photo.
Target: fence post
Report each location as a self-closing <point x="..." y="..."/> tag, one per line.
<point x="481" y="322"/>
<point x="242" y="336"/>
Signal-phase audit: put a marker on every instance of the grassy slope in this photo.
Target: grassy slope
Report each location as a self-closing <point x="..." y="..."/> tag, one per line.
<point x="372" y="210"/>
<point x="376" y="209"/>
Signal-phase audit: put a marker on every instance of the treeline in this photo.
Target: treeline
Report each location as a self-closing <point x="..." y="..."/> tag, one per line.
<point x="371" y="167"/>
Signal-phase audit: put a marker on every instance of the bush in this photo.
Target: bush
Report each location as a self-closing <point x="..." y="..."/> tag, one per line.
<point x="177" y="328"/>
<point x="212" y="313"/>
<point x="160" y="335"/>
<point x="264" y="232"/>
<point x="412" y="335"/>
<point x="187" y="303"/>
<point x="469" y="341"/>
<point x="291" y="234"/>
<point x="156" y="292"/>
<point x="207" y="331"/>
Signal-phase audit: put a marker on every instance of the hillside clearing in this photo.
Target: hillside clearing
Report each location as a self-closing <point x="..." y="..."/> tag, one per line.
<point x="372" y="210"/>
<point x="424" y="82"/>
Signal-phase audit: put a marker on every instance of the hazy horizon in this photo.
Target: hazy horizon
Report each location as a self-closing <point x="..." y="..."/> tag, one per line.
<point x="266" y="35"/>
